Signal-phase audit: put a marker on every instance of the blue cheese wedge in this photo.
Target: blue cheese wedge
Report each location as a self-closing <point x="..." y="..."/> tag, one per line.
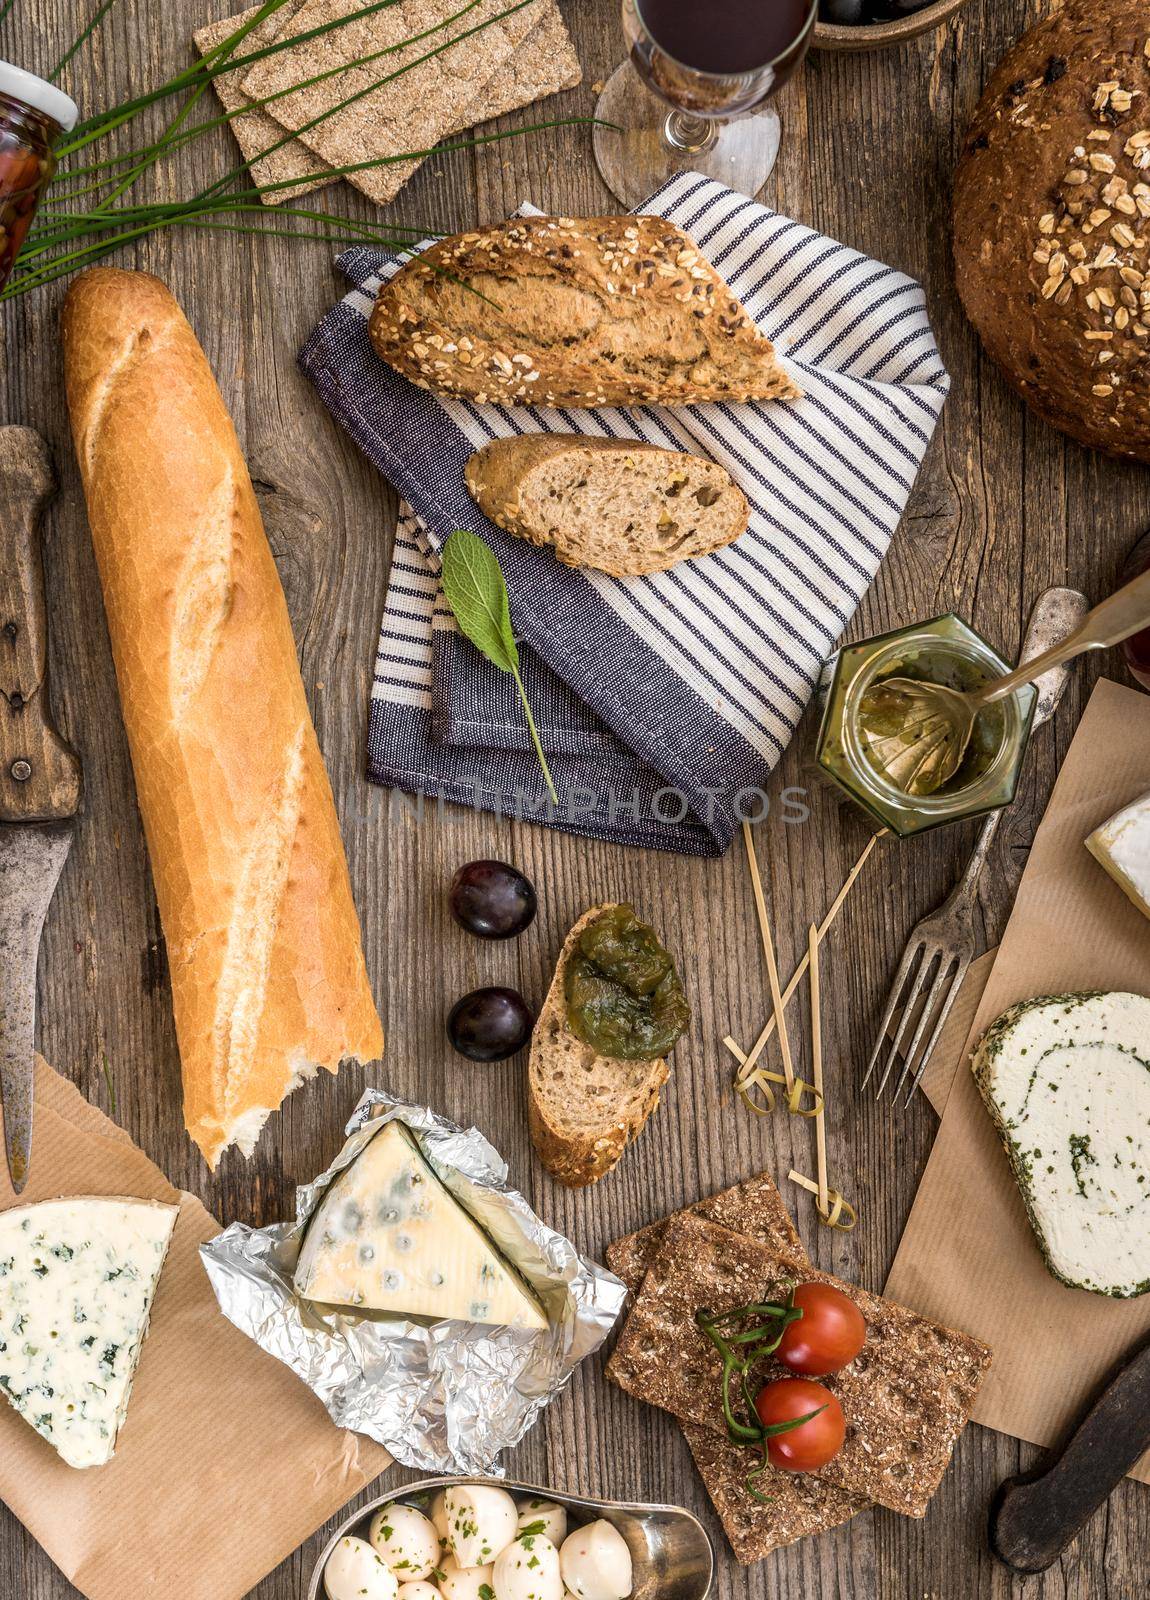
<point x="1122" y="846"/>
<point x="77" y="1279"/>
<point x="388" y="1236"/>
<point x="1066" y="1079"/>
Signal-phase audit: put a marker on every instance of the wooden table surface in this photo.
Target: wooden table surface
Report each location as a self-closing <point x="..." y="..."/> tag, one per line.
<point x="1003" y="508"/>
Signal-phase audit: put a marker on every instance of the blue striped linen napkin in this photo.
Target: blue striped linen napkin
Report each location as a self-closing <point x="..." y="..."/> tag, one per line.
<point x="663" y="702"/>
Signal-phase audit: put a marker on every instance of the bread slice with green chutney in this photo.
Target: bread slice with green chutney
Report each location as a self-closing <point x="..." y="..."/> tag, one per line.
<point x="1066" y="1079"/>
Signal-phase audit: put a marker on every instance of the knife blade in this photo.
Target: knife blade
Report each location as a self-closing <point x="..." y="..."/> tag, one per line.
<point x="39" y="779"/>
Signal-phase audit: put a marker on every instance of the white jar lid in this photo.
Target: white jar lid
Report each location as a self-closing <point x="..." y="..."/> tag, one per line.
<point x="39" y="94"/>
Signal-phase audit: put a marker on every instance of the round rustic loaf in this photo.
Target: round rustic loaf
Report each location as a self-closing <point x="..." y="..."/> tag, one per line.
<point x="1052" y="222"/>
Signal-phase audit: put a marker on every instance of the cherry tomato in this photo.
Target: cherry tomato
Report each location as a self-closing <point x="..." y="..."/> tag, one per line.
<point x="830" y="1332"/>
<point x="812" y="1444"/>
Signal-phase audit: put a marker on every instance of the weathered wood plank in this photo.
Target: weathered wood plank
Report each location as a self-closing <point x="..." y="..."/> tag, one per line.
<point x="1002" y="509"/>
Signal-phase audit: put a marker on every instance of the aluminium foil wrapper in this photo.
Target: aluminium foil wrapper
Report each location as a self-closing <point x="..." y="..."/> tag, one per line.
<point x="442" y="1397"/>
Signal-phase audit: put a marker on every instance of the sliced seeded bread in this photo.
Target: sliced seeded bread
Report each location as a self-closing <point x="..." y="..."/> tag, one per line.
<point x="612" y="504"/>
<point x="550" y="311"/>
<point x="584" y="1108"/>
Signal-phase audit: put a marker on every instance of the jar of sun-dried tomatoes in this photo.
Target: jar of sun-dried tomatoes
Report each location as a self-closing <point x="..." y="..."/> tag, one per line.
<point x="33" y="115"/>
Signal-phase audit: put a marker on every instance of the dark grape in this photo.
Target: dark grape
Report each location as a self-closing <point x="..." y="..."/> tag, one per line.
<point x="492" y="900"/>
<point x="490" y="1024"/>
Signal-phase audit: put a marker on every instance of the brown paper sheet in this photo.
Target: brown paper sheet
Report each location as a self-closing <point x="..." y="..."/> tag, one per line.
<point x="968" y="1256"/>
<point x="226" y="1462"/>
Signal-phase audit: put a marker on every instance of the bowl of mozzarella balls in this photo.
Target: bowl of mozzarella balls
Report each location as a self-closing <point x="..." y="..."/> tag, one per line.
<point x="478" y="1539"/>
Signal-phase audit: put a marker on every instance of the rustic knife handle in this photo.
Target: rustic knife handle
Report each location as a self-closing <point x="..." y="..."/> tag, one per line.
<point x="1035" y="1516"/>
<point x="39" y="772"/>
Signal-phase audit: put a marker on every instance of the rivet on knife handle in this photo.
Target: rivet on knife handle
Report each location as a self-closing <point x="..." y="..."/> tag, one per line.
<point x="39" y="772"/>
<point x="1034" y="1517"/>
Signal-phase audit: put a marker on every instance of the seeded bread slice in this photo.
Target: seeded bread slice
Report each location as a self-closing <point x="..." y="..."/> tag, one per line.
<point x="554" y="311"/>
<point x="584" y="1108"/>
<point x="612" y="504"/>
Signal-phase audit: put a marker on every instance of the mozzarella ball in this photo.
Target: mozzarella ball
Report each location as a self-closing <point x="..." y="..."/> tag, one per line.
<point x="418" y="1591"/>
<point x="596" y="1563"/>
<point x="355" y="1572"/>
<point x="465" y="1583"/>
<point x="481" y="1523"/>
<point x="545" y="1517"/>
<point x="529" y="1570"/>
<point x="406" y="1540"/>
<point x="438" y="1515"/>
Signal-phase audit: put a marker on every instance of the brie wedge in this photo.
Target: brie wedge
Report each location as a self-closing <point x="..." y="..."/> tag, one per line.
<point x="388" y="1236"/>
<point x="77" y="1279"/>
<point x="1066" y="1079"/>
<point x="1122" y="846"/>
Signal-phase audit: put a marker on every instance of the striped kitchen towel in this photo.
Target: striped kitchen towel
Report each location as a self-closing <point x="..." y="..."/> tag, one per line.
<point x="663" y="702"/>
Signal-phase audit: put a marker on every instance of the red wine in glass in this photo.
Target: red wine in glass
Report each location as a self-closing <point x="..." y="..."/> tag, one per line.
<point x="730" y="37"/>
<point x="715" y="64"/>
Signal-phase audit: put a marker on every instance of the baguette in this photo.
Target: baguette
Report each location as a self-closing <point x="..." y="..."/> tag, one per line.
<point x="612" y="504"/>
<point x="267" y="968"/>
<point x="583" y="1108"/>
<point x="546" y="311"/>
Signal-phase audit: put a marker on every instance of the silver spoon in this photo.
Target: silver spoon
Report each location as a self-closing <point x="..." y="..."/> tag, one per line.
<point x="934" y="723"/>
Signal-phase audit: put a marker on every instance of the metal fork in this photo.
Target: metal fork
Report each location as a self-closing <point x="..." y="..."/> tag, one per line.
<point x="943" y="943"/>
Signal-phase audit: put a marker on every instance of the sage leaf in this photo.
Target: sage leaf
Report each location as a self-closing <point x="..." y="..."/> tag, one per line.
<point x="476" y="591"/>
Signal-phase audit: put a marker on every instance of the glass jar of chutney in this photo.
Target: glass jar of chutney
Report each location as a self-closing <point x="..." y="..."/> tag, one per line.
<point x="948" y="651"/>
<point x="33" y="115"/>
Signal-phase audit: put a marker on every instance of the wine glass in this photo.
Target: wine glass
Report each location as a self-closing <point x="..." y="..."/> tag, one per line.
<point x="715" y="63"/>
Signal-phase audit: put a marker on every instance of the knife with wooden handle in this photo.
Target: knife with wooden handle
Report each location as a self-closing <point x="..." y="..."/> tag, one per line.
<point x="39" y="779"/>
<point x="1035" y="1516"/>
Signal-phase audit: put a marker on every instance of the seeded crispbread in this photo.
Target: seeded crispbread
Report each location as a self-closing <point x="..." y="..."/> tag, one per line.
<point x="410" y="112"/>
<point x="754" y="1207"/>
<point x="544" y="64"/>
<point x="799" y="1503"/>
<point x="906" y="1396"/>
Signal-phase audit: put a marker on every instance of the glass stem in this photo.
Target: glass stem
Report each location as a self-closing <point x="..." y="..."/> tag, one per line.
<point x="688" y="135"/>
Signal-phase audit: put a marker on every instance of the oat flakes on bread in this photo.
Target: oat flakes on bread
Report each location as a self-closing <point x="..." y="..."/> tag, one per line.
<point x="907" y="1395"/>
<point x="615" y="505"/>
<point x="584" y="1109"/>
<point x="1052" y="222"/>
<point x="549" y="311"/>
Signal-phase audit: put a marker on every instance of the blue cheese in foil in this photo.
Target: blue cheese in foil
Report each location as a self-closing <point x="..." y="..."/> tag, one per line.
<point x="77" y="1279"/>
<point x="1066" y="1079"/>
<point x="388" y="1236"/>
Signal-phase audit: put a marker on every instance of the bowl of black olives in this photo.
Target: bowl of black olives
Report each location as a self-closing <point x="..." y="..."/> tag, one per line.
<point x="867" y="24"/>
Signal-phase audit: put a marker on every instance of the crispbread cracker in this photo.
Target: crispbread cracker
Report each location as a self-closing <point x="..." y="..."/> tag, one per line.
<point x="754" y="1207"/>
<point x="544" y="64"/>
<point x="906" y="1396"/>
<point x="411" y="112"/>
<point x="800" y="1504"/>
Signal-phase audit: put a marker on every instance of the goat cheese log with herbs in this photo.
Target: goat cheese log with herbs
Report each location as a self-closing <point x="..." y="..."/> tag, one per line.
<point x="1066" y="1079"/>
<point x="267" y="969"/>
<point x="77" y="1279"/>
<point x="548" y="311"/>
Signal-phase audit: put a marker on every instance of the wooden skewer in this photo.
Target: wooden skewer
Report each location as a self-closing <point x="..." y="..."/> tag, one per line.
<point x="769" y="956"/>
<point x="817" y="1067"/>
<point x="747" y="1062"/>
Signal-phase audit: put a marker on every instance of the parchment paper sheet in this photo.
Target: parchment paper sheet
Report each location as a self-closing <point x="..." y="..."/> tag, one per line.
<point x="226" y="1461"/>
<point x="968" y="1256"/>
